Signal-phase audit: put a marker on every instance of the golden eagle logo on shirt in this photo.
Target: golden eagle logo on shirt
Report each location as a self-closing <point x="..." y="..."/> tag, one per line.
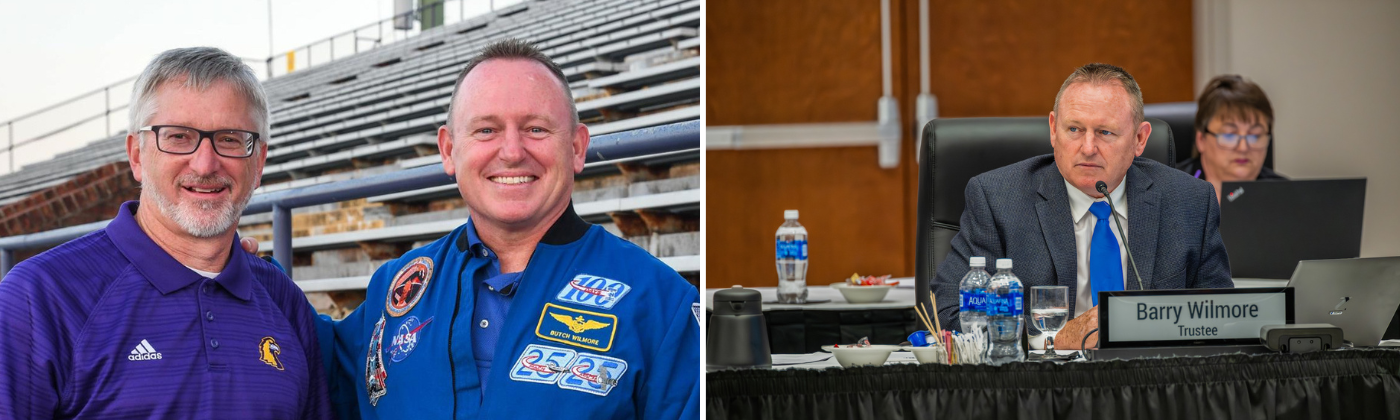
<point x="578" y="324"/>
<point x="268" y="350"/>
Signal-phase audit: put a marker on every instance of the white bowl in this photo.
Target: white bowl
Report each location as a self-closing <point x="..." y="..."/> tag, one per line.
<point x="861" y="294"/>
<point x="875" y="355"/>
<point x="928" y="354"/>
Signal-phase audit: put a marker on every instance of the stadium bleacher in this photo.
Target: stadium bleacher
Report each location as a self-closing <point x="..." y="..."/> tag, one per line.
<point x="631" y="64"/>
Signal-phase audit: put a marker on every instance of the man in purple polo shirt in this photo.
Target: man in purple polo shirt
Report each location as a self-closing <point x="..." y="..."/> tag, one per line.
<point x="156" y="316"/>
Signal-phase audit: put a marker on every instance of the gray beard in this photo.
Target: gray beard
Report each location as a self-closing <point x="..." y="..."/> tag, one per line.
<point x="194" y="216"/>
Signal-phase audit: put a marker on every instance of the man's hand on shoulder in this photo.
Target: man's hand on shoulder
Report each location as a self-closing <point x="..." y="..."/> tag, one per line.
<point x="1073" y="333"/>
<point x="250" y="245"/>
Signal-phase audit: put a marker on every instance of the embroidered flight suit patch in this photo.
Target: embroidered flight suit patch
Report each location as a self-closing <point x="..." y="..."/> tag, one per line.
<point x="590" y="330"/>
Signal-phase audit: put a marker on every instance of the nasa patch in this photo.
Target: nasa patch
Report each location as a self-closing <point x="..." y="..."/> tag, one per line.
<point x="375" y="375"/>
<point x="408" y="286"/>
<point x="590" y="330"/>
<point x="542" y="364"/>
<point x="594" y="374"/>
<point x="406" y="339"/>
<point x="590" y="290"/>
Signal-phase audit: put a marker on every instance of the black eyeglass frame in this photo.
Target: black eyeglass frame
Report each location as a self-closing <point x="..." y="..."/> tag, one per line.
<point x="248" y="147"/>
<point x="1252" y="144"/>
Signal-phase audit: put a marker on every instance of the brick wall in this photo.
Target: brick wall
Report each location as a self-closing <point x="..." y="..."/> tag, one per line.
<point x="86" y="198"/>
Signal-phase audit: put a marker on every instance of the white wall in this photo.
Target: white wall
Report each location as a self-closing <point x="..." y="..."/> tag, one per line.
<point x="1332" y="71"/>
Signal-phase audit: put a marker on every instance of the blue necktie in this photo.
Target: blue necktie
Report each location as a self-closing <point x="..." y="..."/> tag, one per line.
<point x="1105" y="264"/>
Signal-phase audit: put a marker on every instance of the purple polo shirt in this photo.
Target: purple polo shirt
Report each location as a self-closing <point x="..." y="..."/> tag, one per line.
<point x="494" y="292"/>
<point x="110" y="326"/>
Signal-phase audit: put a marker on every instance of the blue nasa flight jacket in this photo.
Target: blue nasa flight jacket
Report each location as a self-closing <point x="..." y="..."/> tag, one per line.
<point x="597" y="329"/>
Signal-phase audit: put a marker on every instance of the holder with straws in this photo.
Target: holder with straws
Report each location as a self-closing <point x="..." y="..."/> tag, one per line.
<point x="957" y="347"/>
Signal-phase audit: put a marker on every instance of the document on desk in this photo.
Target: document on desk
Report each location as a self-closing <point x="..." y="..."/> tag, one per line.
<point x="798" y="359"/>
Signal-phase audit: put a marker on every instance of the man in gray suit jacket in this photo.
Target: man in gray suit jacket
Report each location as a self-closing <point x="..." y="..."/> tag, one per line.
<point x="1043" y="212"/>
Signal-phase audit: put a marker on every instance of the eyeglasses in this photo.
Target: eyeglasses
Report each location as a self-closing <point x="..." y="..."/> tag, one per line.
<point x="1230" y="140"/>
<point x="180" y="140"/>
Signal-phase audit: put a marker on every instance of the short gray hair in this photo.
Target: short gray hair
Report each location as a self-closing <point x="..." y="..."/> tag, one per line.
<point x="199" y="67"/>
<point x="511" y="48"/>
<point x="1099" y="73"/>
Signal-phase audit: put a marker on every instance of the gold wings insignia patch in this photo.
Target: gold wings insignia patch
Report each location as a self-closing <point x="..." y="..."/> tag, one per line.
<point x="575" y="327"/>
<point x="578" y="324"/>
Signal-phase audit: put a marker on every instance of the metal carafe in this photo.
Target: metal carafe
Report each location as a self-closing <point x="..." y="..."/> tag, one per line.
<point x="738" y="334"/>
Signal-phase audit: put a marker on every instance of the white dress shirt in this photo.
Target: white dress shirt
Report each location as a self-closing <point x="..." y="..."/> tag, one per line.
<point x="206" y="274"/>
<point x="1084" y="222"/>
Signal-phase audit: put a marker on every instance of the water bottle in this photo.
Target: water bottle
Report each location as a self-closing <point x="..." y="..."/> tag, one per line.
<point x="972" y="297"/>
<point x="1004" y="321"/>
<point x="792" y="260"/>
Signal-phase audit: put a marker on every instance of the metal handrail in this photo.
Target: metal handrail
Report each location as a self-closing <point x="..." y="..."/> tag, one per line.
<point x="72" y="100"/>
<point x="395" y="22"/>
<point x="105" y="91"/>
<point x="610" y="147"/>
<point x="106" y="114"/>
<point x="107" y="110"/>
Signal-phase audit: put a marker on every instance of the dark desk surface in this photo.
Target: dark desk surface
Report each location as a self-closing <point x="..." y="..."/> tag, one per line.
<point x="1327" y="385"/>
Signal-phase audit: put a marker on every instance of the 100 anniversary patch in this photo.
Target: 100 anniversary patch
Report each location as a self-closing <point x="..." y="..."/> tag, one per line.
<point x="590" y="330"/>
<point x="590" y="290"/>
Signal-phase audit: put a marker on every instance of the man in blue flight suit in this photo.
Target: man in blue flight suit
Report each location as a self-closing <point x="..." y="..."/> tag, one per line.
<point x="525" y="311"/>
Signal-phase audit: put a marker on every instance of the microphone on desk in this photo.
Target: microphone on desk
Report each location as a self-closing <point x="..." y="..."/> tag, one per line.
<point x="1103" y="189"/>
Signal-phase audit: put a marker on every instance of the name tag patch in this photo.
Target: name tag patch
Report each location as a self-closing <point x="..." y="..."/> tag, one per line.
<point x="590" y="330"/>
<point x="590" y="290"/>
<point x="584" y="372"/>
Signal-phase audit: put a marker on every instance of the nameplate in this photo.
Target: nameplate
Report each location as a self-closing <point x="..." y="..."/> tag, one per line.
<point x="1191" y="317"/>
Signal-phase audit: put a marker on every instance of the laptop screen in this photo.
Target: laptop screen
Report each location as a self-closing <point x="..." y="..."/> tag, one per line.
<point x="1360" y="295"/>
<point x="1268" y="226"/>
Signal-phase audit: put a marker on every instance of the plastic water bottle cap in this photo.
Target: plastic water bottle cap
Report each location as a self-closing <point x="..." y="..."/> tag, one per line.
<point x="790" y="214"/>
<point x="1003" y="263"/>
<point x="978" y="261"/>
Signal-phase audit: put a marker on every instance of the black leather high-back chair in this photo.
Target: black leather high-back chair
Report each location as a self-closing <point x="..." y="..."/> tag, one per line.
<point x="1181" y="116"/>
<point x="956" y="149"/>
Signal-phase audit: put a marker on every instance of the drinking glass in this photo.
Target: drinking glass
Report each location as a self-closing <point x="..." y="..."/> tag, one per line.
<point x="1049" y="311"/>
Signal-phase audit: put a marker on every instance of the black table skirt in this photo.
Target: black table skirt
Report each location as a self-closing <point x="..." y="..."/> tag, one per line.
<point x="1362" y="384"/>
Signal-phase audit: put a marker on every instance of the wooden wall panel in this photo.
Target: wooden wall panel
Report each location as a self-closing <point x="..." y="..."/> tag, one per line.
<point x="794" y="61"/>
<point x="850" y="207"/>
<point x="788" y="61"/>
<point x="1009" y="57"/>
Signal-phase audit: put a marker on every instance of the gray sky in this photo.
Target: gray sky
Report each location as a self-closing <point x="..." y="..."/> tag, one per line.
<point x="57" y="49"/>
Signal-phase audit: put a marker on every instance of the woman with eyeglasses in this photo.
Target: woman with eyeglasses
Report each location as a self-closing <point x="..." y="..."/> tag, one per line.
<point x="1233" y="125"/>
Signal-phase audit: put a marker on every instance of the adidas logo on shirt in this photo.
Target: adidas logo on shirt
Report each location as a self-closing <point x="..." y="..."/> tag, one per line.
<point x="143" y="351"/>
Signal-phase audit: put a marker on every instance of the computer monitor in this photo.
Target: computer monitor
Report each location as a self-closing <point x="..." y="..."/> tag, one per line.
<point x="1268" y="226"/>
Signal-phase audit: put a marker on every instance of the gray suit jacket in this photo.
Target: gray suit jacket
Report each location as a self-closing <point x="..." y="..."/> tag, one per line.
<point x="1021" y="211"/>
